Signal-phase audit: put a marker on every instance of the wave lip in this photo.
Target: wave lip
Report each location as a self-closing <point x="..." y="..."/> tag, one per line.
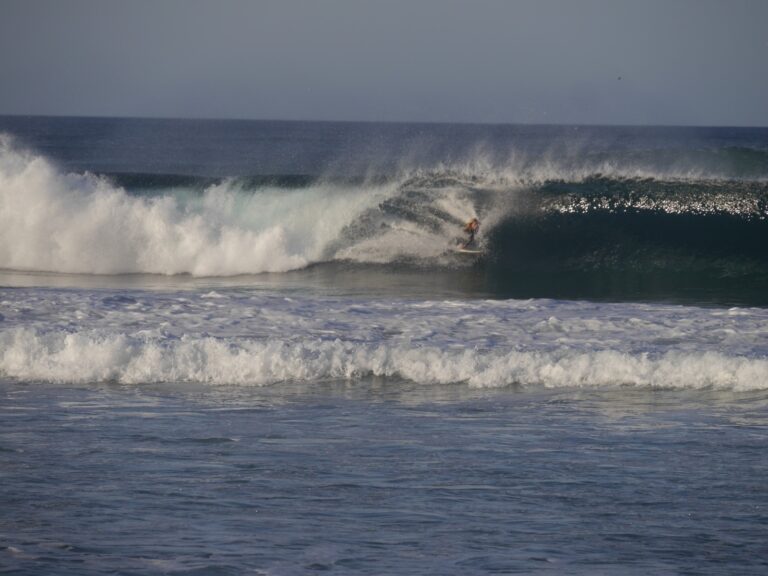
<point x="83" y="223"/>
<point x="29" y="354"/>
<point x="543" y="213"/>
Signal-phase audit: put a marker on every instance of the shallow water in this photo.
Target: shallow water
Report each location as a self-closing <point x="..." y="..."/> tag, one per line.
<point x="381" y="477"/>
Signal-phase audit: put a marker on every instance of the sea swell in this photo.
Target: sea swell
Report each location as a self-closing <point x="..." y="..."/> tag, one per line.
<point x="544" y="217"/>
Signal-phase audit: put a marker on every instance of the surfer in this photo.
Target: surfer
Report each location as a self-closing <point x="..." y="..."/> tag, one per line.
<point x="471" y="228"/>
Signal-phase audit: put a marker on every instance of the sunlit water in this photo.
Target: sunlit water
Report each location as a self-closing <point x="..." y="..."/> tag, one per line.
<point x="250" y="347"/>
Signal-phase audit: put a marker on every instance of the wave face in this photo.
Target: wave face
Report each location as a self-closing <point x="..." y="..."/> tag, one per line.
<point x="569" y="223"/>
<point x="84" y="223"/>
<point x="639" y="224"/>
<point x="241" y="338"/>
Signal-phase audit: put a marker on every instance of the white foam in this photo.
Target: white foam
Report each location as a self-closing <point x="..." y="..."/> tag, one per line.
<point x="59" y="222"/>
<point x="231" y="337"/>
<point x="91" y="357"/>
<point x="81" y="223"/>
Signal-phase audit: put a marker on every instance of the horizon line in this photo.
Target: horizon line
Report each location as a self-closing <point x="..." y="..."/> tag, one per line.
<point x="347" y="121"/>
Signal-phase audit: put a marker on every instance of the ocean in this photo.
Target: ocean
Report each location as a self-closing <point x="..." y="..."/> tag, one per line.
<point x="235" y="347"/>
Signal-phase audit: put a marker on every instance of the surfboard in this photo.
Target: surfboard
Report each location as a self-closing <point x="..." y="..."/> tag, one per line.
<point x="468" y="251"/>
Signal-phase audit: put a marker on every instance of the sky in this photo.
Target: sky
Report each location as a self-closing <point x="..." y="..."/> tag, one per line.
<point x="668" y="62"/>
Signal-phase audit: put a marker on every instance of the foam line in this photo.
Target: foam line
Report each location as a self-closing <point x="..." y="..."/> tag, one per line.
<point x="28" y="354"/>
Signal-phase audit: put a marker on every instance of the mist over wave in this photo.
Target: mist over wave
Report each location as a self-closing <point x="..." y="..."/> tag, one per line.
<point x="540" y="213"/>
<point x="83" y="223"/>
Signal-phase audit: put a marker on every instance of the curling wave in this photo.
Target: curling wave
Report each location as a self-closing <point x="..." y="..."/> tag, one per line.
<point x="537" y="218"/>
<point x="83" y="223"/>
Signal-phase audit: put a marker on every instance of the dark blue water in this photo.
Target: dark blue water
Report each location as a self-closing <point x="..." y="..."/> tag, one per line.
<point x="382" y="479"/>
<point x="610" y="213"/>
<point x="250" y="347"/>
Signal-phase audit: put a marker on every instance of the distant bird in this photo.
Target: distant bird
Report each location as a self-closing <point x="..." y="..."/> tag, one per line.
<point x="619" y="78"/>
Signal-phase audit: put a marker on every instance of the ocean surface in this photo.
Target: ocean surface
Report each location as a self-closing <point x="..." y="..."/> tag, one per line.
<point x="235" y="347"/>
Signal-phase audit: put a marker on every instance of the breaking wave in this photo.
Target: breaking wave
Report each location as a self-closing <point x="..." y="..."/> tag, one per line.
<point x="90" y="357"/>
<point x="536" y="216"/>
<point x="251" y="338"/>
<point x="84" y="223"/>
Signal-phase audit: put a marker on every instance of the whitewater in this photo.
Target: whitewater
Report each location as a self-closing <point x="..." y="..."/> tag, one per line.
<point x="235" y="338"/>
<point x="67" y="222"/>
<point x="81" y="222"/>
<point x="232" y="347"/>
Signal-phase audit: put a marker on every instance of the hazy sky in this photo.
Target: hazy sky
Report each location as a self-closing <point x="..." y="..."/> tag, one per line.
<point x="679" y="61"/>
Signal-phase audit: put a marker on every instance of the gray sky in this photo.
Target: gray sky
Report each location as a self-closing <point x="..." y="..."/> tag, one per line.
<point x="556" y="61"/>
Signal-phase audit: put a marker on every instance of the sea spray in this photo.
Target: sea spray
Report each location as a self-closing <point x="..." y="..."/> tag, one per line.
<point x="543" y="219"/>
<point x="82" y="223"/>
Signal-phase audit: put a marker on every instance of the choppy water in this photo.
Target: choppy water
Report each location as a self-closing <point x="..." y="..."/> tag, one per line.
<point x="231" y="347"/>
<point x="248" y="338"/>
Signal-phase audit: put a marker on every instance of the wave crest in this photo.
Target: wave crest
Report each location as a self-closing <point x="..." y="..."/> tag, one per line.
<point x="61" y="222"/>
<point x="534" y="214"/>
<point x="92" y="357"/>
